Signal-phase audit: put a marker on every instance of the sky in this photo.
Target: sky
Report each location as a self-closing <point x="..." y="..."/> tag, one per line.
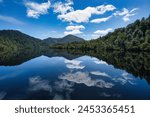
<point x="88" y="19"/>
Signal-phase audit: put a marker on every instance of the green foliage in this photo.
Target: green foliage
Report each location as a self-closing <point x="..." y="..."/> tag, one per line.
<point x="135" y="37"/>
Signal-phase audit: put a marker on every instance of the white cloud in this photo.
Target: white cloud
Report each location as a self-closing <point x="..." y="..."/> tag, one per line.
<point x="63" y="8"/>
<point x="80" y="16"/>
<point x="84" y="78"/>
<point x="99" y="20"/>
<point x="74" y="30"/>
<point x="98" y="73"/>
<point x="75" y="27"/>
<point x="74" y="64"/>
<point x="103" y="32"/>
<point x="126" y="13"/>
<point x="11" y="20"/>
<point x="34" y="9"/>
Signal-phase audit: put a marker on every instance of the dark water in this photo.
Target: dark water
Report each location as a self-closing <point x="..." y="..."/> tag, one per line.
<point x="62" y="75"/>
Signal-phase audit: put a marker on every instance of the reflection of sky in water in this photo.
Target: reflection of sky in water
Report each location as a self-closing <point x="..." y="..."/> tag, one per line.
<point x="59" y="78"/>
<point x="84" y="78"/>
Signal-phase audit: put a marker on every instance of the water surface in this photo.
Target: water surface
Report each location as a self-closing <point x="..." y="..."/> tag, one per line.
<point x="71" y="76"/>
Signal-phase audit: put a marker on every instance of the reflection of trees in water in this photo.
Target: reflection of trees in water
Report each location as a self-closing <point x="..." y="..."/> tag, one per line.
<point x="136" y="63"/>
<point x="12" y="58"/>
<point x="16" y="58"/>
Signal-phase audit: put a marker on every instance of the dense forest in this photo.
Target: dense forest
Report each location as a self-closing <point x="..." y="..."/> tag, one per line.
<point x="134" y="37"/>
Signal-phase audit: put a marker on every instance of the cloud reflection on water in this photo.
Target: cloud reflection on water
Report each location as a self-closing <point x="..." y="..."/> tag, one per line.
<point x="98" y="73"/>
<point x="74" y="64"/>
<point x="124" y="79"/>
<point x="84" y="78"/>
<point x="37" y="83"/>
<point x="97" y="61"/>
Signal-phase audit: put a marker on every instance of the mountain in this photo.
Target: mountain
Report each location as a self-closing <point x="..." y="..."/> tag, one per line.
<point x="64" y="40"/>
<point x="15" y="40"/>
<point x="134" y="37"/>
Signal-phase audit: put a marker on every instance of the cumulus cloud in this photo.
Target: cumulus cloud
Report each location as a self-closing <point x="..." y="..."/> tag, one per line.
<point x="102" y="32"/>
<point x="11" y="20"/>
<point x="98" y="73"/>
<point x="126" y="13"/>
<point x="63" y="8"/>
<point x="74" y="30"/>
<point x="99" y="20"/>
<point x="75" y="27"/>
<point x="34" y="9"/>
<point x="80" y="16"/>
<point x="84" y="78"/>
<point x="74" y="64"/>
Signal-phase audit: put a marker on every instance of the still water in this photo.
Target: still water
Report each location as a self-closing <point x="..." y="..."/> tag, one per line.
<point x="73" y="77"/>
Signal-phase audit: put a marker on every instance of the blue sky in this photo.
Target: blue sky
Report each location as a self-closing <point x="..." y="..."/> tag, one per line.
<point x="84" y="18"/>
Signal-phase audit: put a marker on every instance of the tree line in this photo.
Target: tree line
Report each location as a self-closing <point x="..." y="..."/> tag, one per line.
<point x="134" y="37"/>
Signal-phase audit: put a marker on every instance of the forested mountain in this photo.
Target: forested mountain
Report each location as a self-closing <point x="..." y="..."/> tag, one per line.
<point x="15" y="40"/>
<point x="134" y="37"/>
<point x="64" y="40"/>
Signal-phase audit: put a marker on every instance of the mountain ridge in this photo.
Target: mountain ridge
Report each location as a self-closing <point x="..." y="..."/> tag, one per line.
<point x="66" y="39"/>
<point x="15" y="40"/>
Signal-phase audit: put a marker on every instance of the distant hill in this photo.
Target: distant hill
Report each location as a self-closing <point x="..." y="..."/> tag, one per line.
<point x="64" y="40"/>
<point x="14" y="40"/>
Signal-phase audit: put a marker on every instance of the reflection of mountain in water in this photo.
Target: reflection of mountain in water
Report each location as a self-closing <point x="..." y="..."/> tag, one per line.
<point x="136" y="63"/>
<point x="11" y="58"/>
